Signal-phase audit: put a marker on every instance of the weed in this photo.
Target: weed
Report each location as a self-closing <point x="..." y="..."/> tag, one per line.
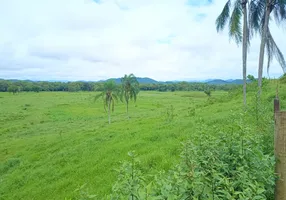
<point x="170" y="113"/>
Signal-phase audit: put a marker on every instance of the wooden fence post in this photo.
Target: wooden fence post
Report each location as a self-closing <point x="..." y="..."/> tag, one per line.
<point x="280" y="151"/>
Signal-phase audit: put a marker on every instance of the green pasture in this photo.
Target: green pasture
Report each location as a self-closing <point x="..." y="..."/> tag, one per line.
<point x="51" y="143"/>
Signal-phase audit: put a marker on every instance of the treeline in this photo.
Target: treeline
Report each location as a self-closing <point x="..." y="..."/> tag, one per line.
<point x="185" y="86"/>
<point x="37" y="86"/>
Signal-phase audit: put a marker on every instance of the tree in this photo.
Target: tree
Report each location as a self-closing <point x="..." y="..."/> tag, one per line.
<point x="251" y="78"/>
<point x="4" y="85"/>
<point x="260" y="11"/>
<point x="129" y="90"/>
<point x="36" y="88"/>
<point x="74" y="86"/>
<point x="13" y="88"/>
<point x="109" y="95"/>
<point x="208" y="92"/>
<point x="283" y="78"/>
<point x="239" y="9"/>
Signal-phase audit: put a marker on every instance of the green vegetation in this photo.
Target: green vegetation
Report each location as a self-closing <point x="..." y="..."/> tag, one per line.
<point x="208" y="92"/>
<point x="129" y="90"/>
<point x="37" y="86"/>
<point x="109" y="96"/>
<point x="57" y="145"/>
<point x="13" y="89"/>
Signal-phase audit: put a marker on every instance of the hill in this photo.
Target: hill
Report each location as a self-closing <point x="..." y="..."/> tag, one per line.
<point x="147" y="80"/>
<point x="217" y="82"/>
<point x="144" y="80"/>
<point x="226" y="82"/>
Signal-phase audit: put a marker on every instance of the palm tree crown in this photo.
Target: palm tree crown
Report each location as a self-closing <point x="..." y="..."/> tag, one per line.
<point x="259" y="18"/>
<point x="129" y="90"/>
<point x="109" y="95"/>
<point x="236" y="31"/>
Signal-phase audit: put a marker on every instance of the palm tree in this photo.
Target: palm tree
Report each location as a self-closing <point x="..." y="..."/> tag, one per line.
<point x="109" y="95"/>
<point x="260" y="11"/>
<point x="129" y="90"/>
<point x="239" y="8"/>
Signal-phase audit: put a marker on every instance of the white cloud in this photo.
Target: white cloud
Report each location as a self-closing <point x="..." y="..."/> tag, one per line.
<point x="80" y="39"/>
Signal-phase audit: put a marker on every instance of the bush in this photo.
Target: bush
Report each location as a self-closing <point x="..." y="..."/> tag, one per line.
<point x="215" y="164"/>
<point x="283" y="79"/>
<point x="208" y="92"/>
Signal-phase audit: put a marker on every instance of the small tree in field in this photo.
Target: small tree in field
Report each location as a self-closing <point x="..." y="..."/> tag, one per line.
<point x="13" y="88"/>
<point x="109" y="95"/>
<point x="208" y="92"/>
<point x="129" y="90"/>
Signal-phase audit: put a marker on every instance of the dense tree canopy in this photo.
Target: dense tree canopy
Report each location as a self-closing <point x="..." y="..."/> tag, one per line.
<point x="38" y="86"/>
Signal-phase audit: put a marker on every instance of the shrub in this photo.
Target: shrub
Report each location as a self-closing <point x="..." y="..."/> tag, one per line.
<point x="215" y="164"/>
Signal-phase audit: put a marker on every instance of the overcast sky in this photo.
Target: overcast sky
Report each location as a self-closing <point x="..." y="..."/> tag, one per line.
<point x="93" y="40"/>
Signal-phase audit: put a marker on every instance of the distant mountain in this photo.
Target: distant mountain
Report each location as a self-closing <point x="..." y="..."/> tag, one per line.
<point x="145" y="80"/>
<point x="223" y="82"/>
<point x="217" y="82"/>
<point x="236" y="81"/>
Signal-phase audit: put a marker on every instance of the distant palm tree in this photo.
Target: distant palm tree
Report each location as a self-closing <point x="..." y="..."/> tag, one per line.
<point x="260" y="11"/>
<point x="239" y="8"/>
<point x="109" y="95"/>
<point x="129" y="90"/>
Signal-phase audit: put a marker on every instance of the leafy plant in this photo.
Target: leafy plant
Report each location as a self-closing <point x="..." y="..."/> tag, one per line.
<point x="170" y="113"/>
<point x="229" y="164"/>
<point x="83" y="193"/>
<point x="130" y="183"/>
<point x="191" y="111"/>
<point x="208" y="92"/>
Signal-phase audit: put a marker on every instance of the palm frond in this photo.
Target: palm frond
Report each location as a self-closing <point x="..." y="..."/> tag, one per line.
<point x="269" y="48"/>
<point x="279" y="11"/>
<point x="274" y="51"/>
<point x="248" y="36"/>
<point x="256" y="16"/>
<point x="130" y="86"/>
<point x="223" y="17"/>
<point x="235" y="23"/>
<point x="98" y="96"/>
<point x="105" y="105"/>
<point x="112" y="104"/>
<point x="134" y="95"/>
<point x="114" y="96"/>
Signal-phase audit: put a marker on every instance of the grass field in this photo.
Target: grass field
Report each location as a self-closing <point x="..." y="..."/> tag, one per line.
<point x="53" y="142"/>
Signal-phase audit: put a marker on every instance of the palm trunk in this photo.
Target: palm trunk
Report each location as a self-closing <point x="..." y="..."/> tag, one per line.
<point x="262" y="48"/>
<point x="244" y="49"/>
<point x="127" y="103"/>
<point x="109" y="120"/>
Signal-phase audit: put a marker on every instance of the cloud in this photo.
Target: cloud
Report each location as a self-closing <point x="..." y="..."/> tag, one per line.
<point x="92" y="40"/>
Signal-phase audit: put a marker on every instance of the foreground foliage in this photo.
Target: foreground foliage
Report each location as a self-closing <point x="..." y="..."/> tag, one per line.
<point x="229" y="163"/>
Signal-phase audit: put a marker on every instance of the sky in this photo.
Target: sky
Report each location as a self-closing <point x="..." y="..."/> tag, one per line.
<point x="100" y="39"/>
